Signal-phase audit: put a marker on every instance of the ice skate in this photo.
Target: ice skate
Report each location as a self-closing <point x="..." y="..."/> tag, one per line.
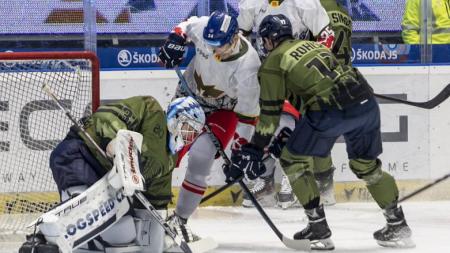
<point x="264" y="191"/>
<point x="326" y="187"/>
<point x="396" y="233"/>
<point x="317" y="231"/>
<point x="179" y="225"/>
<point x="285" y="197"/>
<point x="37" y="243"/>
<point x="195" y="242"/>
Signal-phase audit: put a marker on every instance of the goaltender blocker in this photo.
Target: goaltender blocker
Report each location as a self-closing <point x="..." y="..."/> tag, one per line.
<point x="140" y="137"/>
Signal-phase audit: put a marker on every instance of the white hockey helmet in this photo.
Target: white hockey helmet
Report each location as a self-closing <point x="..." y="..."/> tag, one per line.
<point x="185" y="120"/>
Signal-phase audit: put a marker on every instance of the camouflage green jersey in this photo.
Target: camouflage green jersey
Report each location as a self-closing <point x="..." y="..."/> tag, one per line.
<point x="143" y="115"/>
<point x="306" y="73"/>
<point x="341" y="23"/>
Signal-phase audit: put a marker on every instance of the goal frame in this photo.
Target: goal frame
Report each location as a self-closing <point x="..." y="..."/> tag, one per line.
<point x="61" y="55"/>
<point x="14" y="236"/>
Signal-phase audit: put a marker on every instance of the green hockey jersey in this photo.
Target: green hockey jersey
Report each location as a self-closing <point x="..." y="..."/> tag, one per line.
<point x="341" y="23"/>
<point x="310" y="77"/>
<point x="144" y="115"/>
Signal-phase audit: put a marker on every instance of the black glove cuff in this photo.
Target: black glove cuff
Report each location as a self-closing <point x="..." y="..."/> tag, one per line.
<point x="253" y="149"/>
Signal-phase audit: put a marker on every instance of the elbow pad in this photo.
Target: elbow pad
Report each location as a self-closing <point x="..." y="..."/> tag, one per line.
<point x="242" y="135"/>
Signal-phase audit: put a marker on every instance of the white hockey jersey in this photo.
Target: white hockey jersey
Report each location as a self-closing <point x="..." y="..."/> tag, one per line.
<point x="304" y="15"/>
<point x="224" y="84"/>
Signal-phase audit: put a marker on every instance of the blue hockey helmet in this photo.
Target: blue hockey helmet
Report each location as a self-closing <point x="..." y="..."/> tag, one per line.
<point x="185" y="121"/>
<point x="275" y="27"/>
<point x="220" y="29"/>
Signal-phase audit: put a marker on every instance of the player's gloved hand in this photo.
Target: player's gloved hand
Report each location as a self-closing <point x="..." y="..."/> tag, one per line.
<point x="171" y="53"/>
<point x="233" y="171"/>
<point x="248" y="160"/>
<point x="279" y="142"/>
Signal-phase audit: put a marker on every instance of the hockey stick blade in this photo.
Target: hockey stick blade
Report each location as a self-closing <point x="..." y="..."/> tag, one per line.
<point x="430" y="104"/>
<point x="303" y="245"/>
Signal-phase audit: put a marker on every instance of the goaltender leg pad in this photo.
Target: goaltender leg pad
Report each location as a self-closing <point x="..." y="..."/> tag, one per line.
<point x="150" y="234"/>
<point x="123" y="232"/>
<point x="82" y="218"/>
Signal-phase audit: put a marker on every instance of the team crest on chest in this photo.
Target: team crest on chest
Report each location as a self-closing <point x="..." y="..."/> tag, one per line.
<point x="206" y="90"/>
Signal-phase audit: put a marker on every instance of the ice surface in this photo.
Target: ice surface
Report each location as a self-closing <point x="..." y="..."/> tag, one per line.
<point x="352" y="224"/>
<point x="238" y="229"/>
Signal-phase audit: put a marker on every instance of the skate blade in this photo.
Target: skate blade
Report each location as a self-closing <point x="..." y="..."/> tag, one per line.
<point x="118" y="249"/>
<point x="400" y="243"/>
<point x="247" y="203"/>
<point x="200" y="246"/>
<point x="328" y="200"/>
<point x="287" y="205"/>
<point x="266" y="201"/>
<point x="322" y="244"/>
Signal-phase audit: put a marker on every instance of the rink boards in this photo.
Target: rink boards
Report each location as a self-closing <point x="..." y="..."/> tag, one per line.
<point x="345" y="192"/>
<point x="415" y="140"/>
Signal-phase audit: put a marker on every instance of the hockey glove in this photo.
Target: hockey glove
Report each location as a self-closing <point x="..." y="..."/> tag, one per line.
<point x="233" y="171"/>
<point x="171" y="53"/>
<point x="279" y="142"/>
<point x="248" y="160"/>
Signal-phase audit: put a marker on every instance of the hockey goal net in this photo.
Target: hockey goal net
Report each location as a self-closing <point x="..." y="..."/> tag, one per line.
<point x="31" y="125"/>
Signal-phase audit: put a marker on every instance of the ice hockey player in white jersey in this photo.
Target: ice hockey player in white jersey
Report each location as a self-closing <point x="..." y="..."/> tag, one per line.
<point x="223" y="76"/>
<point x="306" y="16"/>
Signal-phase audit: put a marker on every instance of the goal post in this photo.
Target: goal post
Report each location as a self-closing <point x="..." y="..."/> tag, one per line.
<point x="31" y="125"/>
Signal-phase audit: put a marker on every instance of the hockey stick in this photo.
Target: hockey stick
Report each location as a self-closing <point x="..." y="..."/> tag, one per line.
<point x="423" y="188"/>
<point x="430" y="104"/>
<point x="221" y="189"/>
<point x="288" y="242"/>
<point x="150" y="208"/>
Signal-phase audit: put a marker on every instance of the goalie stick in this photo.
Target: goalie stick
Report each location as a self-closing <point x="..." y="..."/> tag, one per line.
<point x="303" y="245"/>
<point x="430" y="104"/>
<point x="150" y="208"/>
